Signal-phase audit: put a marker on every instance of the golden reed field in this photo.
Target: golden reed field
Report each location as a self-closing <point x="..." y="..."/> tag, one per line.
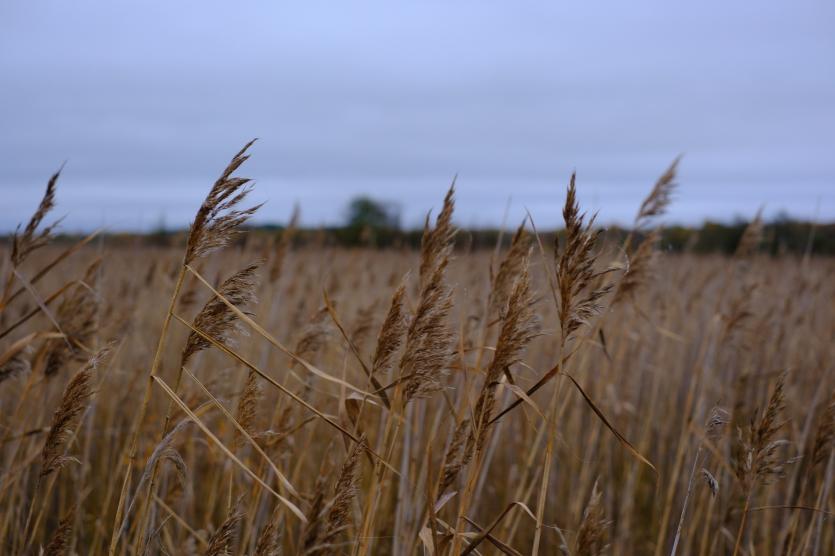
<point x="234" y="396"/>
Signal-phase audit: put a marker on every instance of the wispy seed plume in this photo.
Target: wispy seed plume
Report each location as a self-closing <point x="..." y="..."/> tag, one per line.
<point x="218" y="219"/>
<point x="216" y="319"/>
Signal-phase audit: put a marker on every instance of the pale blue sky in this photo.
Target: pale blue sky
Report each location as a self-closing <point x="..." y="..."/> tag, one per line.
<point x="146" y="101"/>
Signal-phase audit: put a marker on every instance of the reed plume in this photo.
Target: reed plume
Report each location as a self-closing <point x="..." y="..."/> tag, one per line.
<point x="31" y="239"/>
<point x="579" y="299"/>
<point x="640" y="262"/>
<point x="513" y="264"/>
<point x="345" y="490"/>
<point x="456" y="456"/>
<point x="221" y="539"/>
<point x="391" y="334"/>
<point x="218" y="218"/>
<point x="61" y="541"/>
<point x="759" y="459"/>
<point x="216" y="319"/>
<point x="67" y="416"/>
<point x="656" y="203"/>
<point x="269" y="541"/>
<point x="639" y="268"/>
<point x="247" y="406"/>
<point x="428" y="341"/>
<point x="591" y="535"/>
<point x="519" y="327"/>
<point x="825" y="434"/>
<point x="437" y="243"/>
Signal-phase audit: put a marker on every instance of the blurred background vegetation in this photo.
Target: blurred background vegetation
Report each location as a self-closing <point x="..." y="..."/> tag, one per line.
<point x="376" y="224"/>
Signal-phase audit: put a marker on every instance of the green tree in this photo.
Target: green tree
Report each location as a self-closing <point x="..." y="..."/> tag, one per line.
<point x="365" y="212"/>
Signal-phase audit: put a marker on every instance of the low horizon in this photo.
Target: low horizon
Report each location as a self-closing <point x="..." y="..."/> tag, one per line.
<point x="80" y="207"/>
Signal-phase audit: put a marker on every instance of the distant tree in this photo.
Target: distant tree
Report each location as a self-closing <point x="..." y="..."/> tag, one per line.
<point x="160" y="236"/>
<point x="365" y="212"/>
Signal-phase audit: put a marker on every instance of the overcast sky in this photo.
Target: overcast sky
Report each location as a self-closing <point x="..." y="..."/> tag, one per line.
<point x="147" y="101"/>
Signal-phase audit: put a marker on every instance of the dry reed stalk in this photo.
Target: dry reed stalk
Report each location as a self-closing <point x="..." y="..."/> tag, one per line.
<point x="163" y="451"/>
<point x="519" y="327"/>
<point x="63" y="427"/>
<point x="278" y="385"/>
<point x="218" y="322"/>
<point x="215" y="224"/>
<point x="428" y="348"/>
<point x="315" y="517"/>
<point x="581" y="291"/>
<point x="716" y="421"/>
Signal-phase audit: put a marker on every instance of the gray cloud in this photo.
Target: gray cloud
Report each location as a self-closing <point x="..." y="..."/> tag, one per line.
<point x="148" y="100"/>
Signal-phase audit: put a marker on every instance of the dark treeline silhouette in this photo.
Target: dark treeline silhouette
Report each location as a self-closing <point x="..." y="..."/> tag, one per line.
<point x="781" y="236"/>
<point x="375" y="224"/>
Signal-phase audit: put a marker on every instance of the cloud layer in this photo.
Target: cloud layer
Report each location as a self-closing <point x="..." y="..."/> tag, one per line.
<point x="148" y="100"/>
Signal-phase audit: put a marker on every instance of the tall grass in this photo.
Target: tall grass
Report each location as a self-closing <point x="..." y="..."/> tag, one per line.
<point x="578" y="398"/>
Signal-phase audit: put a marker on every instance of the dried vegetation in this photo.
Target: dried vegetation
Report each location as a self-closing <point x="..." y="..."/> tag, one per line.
<point x="579" y="398"/>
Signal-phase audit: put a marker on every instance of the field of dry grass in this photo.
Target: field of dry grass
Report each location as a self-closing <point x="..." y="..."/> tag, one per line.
<point x="575" y="398"/>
